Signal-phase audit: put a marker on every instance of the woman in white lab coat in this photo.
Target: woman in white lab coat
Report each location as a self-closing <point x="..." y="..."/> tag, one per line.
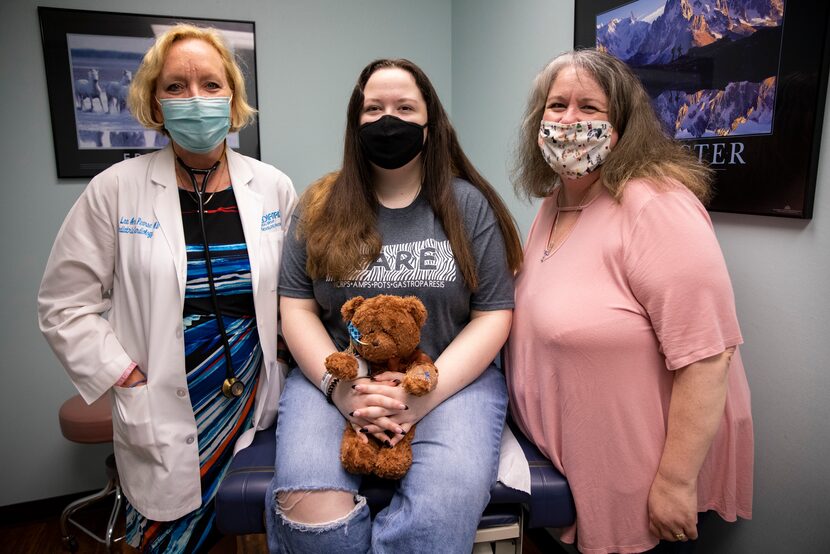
<point x="129" y="299"/>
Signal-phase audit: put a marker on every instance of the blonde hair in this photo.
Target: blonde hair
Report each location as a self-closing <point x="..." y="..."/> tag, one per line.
<point x="142" y="95"/>
<point x="643" y="150"/>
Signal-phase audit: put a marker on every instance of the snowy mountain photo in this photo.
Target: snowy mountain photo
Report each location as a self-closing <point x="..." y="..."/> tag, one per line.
<point x="673" y="45"/>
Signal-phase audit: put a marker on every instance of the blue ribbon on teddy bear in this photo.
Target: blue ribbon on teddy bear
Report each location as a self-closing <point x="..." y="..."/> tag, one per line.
<point x="354" y="333"/>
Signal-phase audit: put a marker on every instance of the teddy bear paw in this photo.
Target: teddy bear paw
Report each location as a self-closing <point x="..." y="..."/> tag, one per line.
<point x="394" y="462"/>
<point x="421" y="379"/>
<point x="356" y="456"/>
<point x="342" y="365"/>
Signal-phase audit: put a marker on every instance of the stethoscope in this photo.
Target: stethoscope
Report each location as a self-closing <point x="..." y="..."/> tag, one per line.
<point x="231" y="387"/>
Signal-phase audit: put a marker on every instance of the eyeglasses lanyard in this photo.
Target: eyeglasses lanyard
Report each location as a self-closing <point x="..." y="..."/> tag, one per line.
<point x="231" y="387"/>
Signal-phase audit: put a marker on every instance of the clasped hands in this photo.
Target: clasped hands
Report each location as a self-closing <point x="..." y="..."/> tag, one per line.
<point x="379" y="407"/>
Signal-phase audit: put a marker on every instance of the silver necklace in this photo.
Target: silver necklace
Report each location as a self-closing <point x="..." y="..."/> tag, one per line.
<point x="549" y="246"/>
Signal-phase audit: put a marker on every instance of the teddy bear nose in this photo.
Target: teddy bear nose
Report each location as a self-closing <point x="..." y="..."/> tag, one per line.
<point x="380" y="340"/>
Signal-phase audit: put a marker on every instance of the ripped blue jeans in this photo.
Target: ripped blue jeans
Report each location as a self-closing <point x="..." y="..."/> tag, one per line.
<point x="439" y="502"/>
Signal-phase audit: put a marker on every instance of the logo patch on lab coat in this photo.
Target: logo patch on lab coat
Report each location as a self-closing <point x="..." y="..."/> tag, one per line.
<point x="271" y="220"/>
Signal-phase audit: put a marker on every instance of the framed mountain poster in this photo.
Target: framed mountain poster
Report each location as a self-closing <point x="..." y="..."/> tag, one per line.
<point x="740" y="83"/>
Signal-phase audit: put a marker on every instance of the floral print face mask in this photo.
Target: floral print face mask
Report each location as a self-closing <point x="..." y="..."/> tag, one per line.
<point x="575" y="149"/>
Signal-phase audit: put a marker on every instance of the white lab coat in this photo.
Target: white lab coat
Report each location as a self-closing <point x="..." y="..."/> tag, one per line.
<point x="113" y="293"/>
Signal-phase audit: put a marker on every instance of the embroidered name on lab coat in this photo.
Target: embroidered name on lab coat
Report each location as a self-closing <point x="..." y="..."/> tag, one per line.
<point x="137" y="226"/>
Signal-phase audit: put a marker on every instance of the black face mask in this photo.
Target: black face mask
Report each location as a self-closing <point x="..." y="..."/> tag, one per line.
<point x="390" y="142"/>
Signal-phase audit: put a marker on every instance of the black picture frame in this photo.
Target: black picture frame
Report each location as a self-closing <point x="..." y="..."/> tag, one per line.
<point x="76" y="42"/>
<point x="770" y="170"/>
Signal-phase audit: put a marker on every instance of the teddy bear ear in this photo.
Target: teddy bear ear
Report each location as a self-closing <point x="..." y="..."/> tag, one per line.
<point x="416" y="309"/>
<point x="350" y="307"/>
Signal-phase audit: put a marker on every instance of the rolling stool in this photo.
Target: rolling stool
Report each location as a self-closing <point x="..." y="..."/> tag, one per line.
<point x="90" y="424"/>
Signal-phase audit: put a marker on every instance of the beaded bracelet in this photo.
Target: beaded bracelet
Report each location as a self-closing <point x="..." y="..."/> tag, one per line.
<point x="330" y="390"/>
<point x="328" y="384"/>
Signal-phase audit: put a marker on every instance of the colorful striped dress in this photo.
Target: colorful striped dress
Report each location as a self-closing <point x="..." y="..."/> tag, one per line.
<point x="219" y="420"/>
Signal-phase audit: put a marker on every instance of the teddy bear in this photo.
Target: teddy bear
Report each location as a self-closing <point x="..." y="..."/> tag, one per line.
<point x="385" y="331"/>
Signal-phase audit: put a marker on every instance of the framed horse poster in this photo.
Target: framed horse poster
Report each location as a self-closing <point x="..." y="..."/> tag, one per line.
<point x="741" y="84"/>
<point x="90" y="60"/>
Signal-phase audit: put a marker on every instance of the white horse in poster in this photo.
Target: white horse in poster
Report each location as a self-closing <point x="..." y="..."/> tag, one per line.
<point x="117" y="92"/>
<point x="90" y="88"/>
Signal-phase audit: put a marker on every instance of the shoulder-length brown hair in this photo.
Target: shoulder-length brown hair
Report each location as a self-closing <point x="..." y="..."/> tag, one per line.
<point x="142" y="95"/>
<point x="339" y="217"/>
<point x="643" y="150"/>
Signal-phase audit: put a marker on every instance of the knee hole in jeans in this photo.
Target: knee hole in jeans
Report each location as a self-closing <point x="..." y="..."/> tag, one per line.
<point x="315" y="506"/>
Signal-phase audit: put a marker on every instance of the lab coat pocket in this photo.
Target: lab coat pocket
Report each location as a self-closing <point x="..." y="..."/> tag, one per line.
<point x="132" y="426"/>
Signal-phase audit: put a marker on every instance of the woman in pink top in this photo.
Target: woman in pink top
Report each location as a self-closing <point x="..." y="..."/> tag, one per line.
<point x="622" y="361"/>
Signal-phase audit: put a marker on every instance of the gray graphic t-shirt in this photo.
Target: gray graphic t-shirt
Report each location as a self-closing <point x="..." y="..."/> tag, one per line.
<point x="416" y="259"/>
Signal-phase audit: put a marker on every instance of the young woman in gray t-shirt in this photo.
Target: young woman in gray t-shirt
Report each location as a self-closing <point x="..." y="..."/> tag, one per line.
<point x="407" y="214"/>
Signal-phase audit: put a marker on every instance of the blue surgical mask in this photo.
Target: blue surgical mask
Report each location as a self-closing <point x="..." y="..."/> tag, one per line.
<point x="197" y="124"/>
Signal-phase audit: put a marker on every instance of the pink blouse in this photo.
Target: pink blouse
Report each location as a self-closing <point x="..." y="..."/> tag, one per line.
<point x="638" y="289"/>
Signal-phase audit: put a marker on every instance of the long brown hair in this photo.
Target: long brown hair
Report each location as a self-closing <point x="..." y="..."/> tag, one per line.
<point x="339" y="212"/>
<point x="643" y="150"/>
